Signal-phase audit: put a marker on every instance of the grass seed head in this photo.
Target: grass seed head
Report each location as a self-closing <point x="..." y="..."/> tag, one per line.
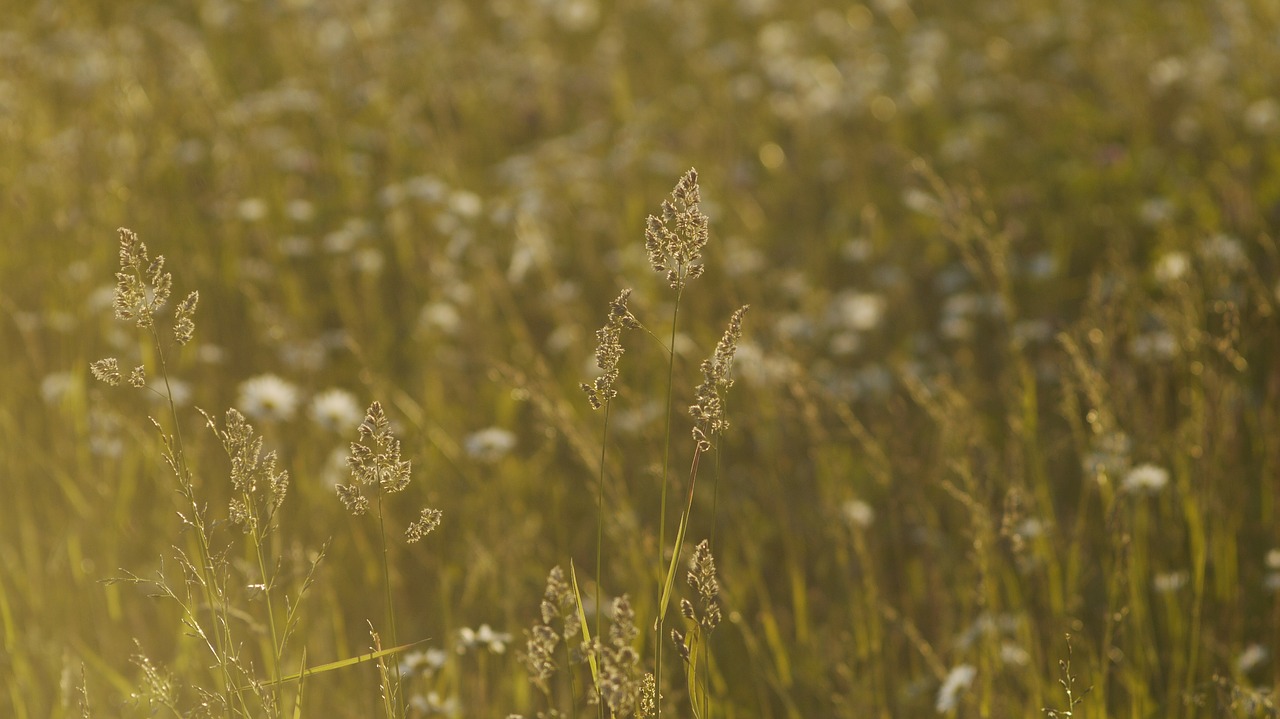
<point x="675" y="241"/>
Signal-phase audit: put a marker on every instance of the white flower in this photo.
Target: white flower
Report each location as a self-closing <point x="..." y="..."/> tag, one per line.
<point x="1145" y="479"/>
<point x="489" y="445"/>
<point x="496" y="641"/>
<point x="1171" y="266"/>
<point x="1011" y="653"/>
<point x="858" y="513"/>
<point x="1167" y="582"/>
<point x="335" y="410"/>
<point x="54" y="387"/>
<point x="268" y="397"/>
<point x="1251" y="658"/>
<point x="440" y="317"/>
<point x="860" y="311"/>
<point x="433" y="704"/>
<point x="252" y="209"/>
<point x="465" y="204"/>
<point x="1273" y="559"/>
<point x="959" y="678"/>
<point x="423" y="662"/>
<point x="484" y="636"/>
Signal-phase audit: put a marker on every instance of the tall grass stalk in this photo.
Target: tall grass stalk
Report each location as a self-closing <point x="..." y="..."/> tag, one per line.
<point x="662" y="516"/>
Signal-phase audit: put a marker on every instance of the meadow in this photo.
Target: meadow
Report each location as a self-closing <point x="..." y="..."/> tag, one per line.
<point x="999" y="435"/>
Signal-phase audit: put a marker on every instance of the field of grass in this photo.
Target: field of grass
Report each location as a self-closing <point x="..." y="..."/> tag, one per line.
<point x="1003" y="418"/>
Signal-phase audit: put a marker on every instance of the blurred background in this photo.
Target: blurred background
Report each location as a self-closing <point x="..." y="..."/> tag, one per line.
<point x="1009" y="373"/>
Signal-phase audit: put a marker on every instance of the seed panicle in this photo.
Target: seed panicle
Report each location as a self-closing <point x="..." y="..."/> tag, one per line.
<point x="675" y="240"/>
<point x="425" y="524"/>
<point x="609" y="351"/>
<point x="374" y="460"/>
<point x="708" y="408"/>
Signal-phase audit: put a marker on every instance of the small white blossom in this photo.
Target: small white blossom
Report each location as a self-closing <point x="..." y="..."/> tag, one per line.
<point x="268" y="397"/>
<point x="483" y="636"/>
<point x="1273" y="559"/>
<point x="489" y="445"/>
<point x="958" y="679"/>
<point x="1251" y="658"/>
<point x="1171" y="266"/>
<point x="858" y="513"/>
<point x="335" y="410"/>
<point x="1145" y="479"/>
<point x="1167" y="582"/>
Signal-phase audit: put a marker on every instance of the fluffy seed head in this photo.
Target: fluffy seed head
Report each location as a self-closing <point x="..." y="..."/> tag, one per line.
<point x="675" y="241"/>
<point x="702" y="577"/>
<point x="425" y="524"/>
<point x="609" y="351"/>
<point x="708" y="408"/>
<point x="106" y="370"/>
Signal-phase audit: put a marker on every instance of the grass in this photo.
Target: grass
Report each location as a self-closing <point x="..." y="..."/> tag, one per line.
<point x="1007" y="377"/>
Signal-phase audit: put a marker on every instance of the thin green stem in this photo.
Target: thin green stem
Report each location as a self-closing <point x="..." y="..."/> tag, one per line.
<point x="391" y="612"/>
<point x="257" y="537"/>
<point x="604" y="443"/>
<point x="208" y="582"/>
<point x="662" y="517"/>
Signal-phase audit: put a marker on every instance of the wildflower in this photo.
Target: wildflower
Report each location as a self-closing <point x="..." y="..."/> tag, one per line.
<point x="268" y="397"/>
<point x="440" y="316"/>
<point x="423" y="662"/>
<point x="859" y="311"/>
<point x="334" y="409"/>
<point x="252" y="209"/>
<point x="960" y="678"/>
<point x="1145" y="479"/>
<point x="465" y="204"/>
<point x="1167" y="582"/>
<point x="678" y="252"/>
<point x="489" y="445"/>
<point x="432" y="704"/>
<point x="1171" y="266"/>
<point x="858" y="513"/>
<point x="1273" y="559"/>
<point x="1251" y="658"/>
<point x="482" y="636"/>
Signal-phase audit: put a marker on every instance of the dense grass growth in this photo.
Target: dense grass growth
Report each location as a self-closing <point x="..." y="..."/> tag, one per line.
<point x="1003" y="420"/>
